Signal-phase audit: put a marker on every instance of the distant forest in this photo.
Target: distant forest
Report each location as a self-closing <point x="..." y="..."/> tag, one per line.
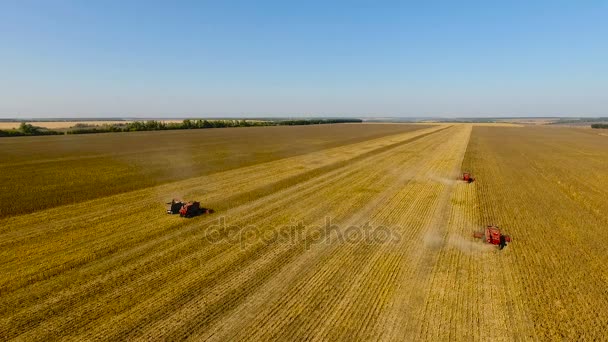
<point x="599" y="125"/>
<point x="26" y="129"/>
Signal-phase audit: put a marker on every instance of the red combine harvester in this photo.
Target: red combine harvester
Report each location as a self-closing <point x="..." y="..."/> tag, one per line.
<point x="187" y="209"/>
<point x="493" y="236"/>
<point x="466" y="176"/>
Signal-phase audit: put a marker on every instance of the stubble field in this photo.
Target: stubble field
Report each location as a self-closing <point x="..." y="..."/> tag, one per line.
<point x="44" y="172"/>
<point x="358" y="235"/>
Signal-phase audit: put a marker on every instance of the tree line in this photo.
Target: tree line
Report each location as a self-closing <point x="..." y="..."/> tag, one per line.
<point x="26" y="129"/>
<point x="598" y="125"/>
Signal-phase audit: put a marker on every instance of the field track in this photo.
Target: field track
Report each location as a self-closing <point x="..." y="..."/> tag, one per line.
<point x="360" y="240"/>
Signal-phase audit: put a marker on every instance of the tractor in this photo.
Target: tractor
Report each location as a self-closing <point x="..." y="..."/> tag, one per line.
<point x="466" y="176"/>
<point x="187" y="209"/>
<point x="493" y="236"/>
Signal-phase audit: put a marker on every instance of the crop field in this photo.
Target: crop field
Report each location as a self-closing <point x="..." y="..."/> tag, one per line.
<point x="70" y="169"/>
<point x="336" y="232"/>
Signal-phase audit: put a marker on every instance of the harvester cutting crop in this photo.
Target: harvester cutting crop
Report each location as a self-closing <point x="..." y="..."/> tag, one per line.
<point x="492" y="235"/>
<point x="467" y="177"/>
<point x="187" y="209"/>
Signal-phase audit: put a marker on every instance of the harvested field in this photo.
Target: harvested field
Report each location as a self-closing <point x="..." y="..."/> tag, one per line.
<point x="363" y="233"/>
<point x="59" y="170"/>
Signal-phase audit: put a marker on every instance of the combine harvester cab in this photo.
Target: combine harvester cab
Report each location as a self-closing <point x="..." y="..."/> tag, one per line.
<point x="174" y="207"/>
<point x="187" y="209"/>
<point x="493" y="236"/>
<point x="190" y="209"/>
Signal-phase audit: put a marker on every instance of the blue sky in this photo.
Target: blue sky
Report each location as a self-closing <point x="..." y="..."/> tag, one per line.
<point x="303" y="58"/>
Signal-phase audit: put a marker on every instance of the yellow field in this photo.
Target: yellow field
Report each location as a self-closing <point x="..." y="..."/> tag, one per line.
<point x="370" y="240"/>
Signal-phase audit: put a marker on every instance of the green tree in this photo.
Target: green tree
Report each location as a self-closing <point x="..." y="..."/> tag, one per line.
<point x="28" y="129"/>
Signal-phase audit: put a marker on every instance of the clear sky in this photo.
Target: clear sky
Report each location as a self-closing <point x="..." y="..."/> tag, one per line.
<point x="303" y="58"/>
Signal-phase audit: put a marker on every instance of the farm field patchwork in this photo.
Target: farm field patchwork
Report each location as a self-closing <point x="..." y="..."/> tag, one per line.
<point x="357" y="235"/>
